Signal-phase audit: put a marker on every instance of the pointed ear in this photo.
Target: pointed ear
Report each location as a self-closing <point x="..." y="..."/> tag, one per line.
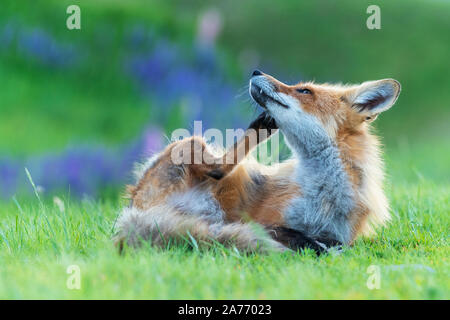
<point x="373" y="97"/>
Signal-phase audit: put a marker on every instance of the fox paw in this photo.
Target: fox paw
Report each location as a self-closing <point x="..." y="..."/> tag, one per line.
<point x="263" y="121"/>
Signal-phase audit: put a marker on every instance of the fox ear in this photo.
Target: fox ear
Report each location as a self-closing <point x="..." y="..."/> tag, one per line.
<point x="373" y="97"/>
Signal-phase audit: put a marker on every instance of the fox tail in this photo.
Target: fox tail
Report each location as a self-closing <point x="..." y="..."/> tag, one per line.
<point x="164" y="225"/>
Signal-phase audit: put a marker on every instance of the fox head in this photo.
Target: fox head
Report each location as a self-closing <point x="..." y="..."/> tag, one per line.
<point x="335" y="106"/>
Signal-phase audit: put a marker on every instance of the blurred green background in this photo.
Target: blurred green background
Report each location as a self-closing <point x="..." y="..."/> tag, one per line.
<point x="78" y="107"/>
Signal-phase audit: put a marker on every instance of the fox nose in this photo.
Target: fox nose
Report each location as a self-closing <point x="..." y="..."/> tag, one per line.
<point x="256" y="73"/>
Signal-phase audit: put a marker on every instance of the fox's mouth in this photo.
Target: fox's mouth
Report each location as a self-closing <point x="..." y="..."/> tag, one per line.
<point x="261" y="98"/>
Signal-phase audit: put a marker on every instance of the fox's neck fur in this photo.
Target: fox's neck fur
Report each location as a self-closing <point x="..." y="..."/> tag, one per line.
<point x="361" y="155"/>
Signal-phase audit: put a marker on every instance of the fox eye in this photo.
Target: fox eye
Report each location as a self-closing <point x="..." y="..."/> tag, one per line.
<point x="304" y="91"/>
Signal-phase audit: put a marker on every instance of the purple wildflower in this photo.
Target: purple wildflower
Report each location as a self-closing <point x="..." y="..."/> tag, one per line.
<point x="39" y="45"/>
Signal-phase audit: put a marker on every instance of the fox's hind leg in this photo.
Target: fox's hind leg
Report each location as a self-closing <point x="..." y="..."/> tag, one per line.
<point x="257" y="132"/>
<point x="297" y="240"/>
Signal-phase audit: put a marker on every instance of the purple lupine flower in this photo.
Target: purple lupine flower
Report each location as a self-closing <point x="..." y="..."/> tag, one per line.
<point x="209" y="27"/>
<point x="9" y="173"/>
<point x="139" y="37"/>
<point x="80" y="170"/>
<point x="39" y="45"/>
<point x="169" y="79"/>
<point x="7" y="33"/>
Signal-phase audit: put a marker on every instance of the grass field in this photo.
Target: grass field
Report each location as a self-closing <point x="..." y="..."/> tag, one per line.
<point x="40" y="241"/>
<point x="96" y="101"/>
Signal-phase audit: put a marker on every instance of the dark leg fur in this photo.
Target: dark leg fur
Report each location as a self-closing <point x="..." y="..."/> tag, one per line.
<point x="264" y="121"/>
<point x="297" y="240"/>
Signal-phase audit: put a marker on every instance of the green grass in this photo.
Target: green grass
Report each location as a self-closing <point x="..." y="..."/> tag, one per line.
<point x="39" y="242"/>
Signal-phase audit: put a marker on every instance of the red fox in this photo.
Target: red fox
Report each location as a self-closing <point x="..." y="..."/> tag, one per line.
<point x="329" y="193"/>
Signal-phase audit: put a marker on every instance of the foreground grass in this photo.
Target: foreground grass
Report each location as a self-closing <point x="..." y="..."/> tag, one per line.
<point x="39" y="242"/>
